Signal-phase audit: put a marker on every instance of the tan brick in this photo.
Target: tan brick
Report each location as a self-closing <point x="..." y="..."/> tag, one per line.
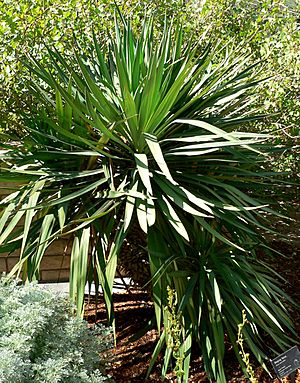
<point x="54" y="276"/>
<point x="14" y="254"/>
<point x="49" y="262"/>
<point x="8" y="187"/>
<point x="11" y="261"/>
<point x="3" y="265"/>
<point x="56" y="262"/>
<point x="59" y="247"/>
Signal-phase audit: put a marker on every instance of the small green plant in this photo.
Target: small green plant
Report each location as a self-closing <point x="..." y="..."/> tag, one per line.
<point x="41" y="342"/>
<point x="245" y="355"/>
<point x="173" y="332"/>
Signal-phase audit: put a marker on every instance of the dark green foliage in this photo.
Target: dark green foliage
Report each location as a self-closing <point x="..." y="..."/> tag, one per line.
<point x="148" y="132"/>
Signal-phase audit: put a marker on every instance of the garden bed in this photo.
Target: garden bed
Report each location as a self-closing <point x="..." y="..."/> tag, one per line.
<point x="130" y="359"/>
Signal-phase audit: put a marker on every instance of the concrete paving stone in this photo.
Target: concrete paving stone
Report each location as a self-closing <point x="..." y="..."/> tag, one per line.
<point x="64" y="286"/>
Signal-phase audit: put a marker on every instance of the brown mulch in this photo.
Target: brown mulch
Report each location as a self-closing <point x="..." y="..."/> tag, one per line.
<point x="130" y="359"/>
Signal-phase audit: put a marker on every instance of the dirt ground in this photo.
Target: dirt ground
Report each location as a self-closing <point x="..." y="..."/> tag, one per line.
<point x="130" y="359"/>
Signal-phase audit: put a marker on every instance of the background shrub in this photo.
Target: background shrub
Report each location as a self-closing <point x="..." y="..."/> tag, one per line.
<point x="267" y="29"/>
<point x="26" y="27"/>
<point x="41" y="342"/>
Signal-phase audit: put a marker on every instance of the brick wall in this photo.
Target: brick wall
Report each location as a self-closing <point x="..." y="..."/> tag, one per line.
<point x="55" y="263"/>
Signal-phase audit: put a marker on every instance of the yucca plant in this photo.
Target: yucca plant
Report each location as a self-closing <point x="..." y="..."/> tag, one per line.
<point x="148" y="131"/>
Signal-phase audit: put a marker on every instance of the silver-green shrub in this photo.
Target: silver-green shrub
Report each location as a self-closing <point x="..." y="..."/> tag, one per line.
<point x="41" y="342"/>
